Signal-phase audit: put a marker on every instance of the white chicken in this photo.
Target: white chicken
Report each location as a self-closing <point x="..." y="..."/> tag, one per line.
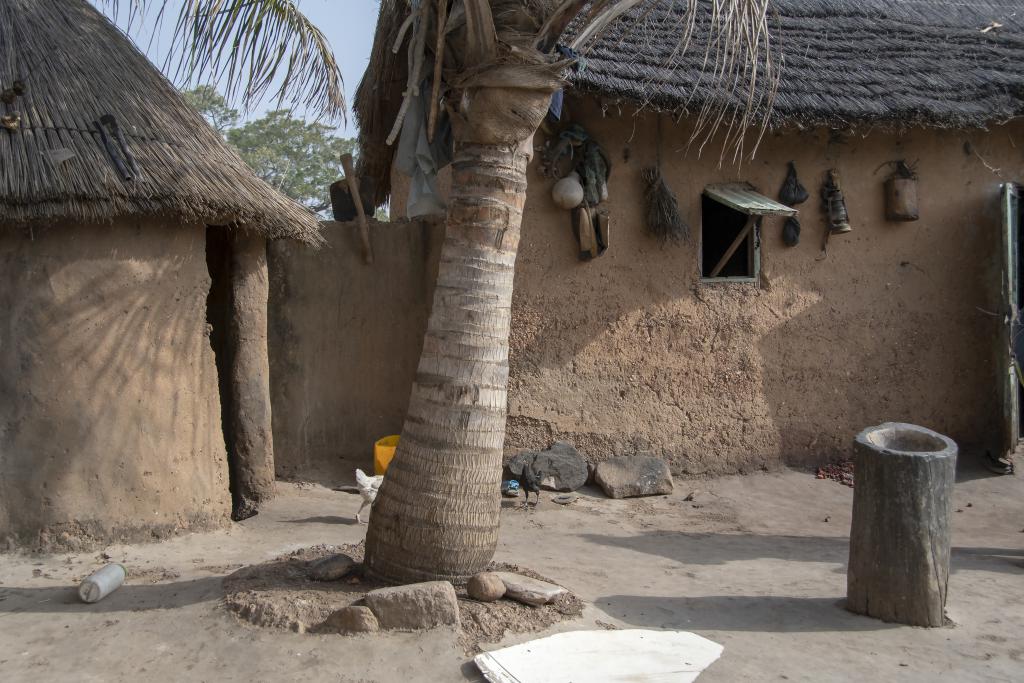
<point x="368" y="487"/>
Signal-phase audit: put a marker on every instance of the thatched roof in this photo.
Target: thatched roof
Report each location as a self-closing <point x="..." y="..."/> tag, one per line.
<point x="895" y="63"/>
<point x="74" y="68"/>
<point x="898" y="63"/>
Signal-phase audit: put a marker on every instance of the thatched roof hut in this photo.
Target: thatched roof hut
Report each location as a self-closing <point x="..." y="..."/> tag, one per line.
<point x="64" y="67"/>
<point x="134" y="394"/>
<point x="890" y="63"/>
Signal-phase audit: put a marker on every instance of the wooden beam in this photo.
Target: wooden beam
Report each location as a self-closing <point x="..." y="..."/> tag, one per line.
<point x="734" y="246"/>
<point x="435" y="90"/>
<point x="353" y="187"/>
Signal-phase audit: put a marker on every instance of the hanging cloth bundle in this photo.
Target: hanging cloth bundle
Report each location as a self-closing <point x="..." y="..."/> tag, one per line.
<point x="594" y="169"/>
<point x="591" y="223"/>
<point x="792" y="193"/>
<point x="571" y="136"/>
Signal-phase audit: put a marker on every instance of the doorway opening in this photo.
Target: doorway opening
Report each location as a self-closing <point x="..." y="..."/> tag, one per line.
<point x="218" y="317"/>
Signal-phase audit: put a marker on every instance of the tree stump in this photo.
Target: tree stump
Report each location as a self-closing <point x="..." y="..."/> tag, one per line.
<point x="902" y="513"/>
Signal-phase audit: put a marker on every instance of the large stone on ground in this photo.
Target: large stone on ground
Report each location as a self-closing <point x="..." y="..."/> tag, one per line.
<point x="415" y="606"/>
<point x="629" y="477"/>
<point x="561" y="467"/>
<point x="528" y="590"/>
<point x="331" y="568"/>
<point x="485" y="587"/>
<point x="353" y="619"/>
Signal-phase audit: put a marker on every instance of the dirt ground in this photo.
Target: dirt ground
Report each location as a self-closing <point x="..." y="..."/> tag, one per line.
<point x="756" y="563"/>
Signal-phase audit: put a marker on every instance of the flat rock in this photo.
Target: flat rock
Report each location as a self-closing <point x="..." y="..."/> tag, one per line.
<point x="353" y="619"/>
<point x="331" y="568"/>
<point x="485" y="587"/>
<point x="632" y="476"/>
<point x="528" y="590"/>
<point x="415" y="606"/>
<point x="561" y="467"/>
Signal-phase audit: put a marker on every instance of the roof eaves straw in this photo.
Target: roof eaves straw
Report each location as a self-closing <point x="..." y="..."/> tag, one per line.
<point x="77" y="67"/>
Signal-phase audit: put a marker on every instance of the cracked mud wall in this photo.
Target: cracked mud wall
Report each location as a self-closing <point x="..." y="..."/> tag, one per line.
<point x="110" y="424"/>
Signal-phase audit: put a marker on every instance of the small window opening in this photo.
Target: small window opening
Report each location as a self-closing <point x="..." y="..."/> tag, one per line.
<point x="720" y="229"/>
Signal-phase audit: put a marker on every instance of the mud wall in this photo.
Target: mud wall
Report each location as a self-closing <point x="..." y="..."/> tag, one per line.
<point x="109" y="409"/>
<point x="344" y="341"/>
<point x="631" y="352"/>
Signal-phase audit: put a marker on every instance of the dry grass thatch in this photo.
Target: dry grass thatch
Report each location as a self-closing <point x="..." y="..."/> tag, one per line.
<point x="379" y="98"/>
<point x="75" y="68"/>
<point x="894" y="63"/>
<point x="844" y="62"/>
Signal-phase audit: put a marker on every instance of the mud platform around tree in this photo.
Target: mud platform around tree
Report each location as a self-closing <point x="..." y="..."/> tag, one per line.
<point x="280" y="594"/>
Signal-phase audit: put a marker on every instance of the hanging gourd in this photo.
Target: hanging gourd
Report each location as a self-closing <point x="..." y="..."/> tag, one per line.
<point x="901" y="193"/>
<point x="568" y="192"/>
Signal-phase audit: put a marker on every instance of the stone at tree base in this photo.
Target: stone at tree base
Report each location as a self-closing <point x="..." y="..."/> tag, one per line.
<point x="562" y="468"/>
<point x="528" y="590"/>
<point x="415" y="606"/>
<point x="485" y="587"/>
<point x="331" y="568"/>
<point x="900" y="534"/>
<point x="632" y="476"/>
<point x="353" y="619"/>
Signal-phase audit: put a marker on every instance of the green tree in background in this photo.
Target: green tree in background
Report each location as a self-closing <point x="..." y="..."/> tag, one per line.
<point x="211" y="104"/>
<point x="299" y="158"/>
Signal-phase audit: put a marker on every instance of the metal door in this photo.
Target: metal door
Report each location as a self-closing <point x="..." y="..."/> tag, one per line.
<point x="1012" y="335"/>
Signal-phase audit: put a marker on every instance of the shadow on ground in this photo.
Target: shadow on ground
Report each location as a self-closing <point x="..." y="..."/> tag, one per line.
<point x="129" y="598"/>
<point x="769" y="613"/>
<point x="715" y="549"/>
<point x="323" y="519"/>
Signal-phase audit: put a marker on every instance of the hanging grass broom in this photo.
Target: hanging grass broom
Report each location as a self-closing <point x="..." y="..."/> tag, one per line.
<point x="662" y="215"/>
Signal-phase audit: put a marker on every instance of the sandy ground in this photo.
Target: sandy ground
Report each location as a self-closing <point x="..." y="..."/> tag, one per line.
<point x="756" y="563"/>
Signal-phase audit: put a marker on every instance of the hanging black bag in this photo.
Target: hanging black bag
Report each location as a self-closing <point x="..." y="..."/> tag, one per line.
<point x="792" y="192"/>
<point x="791" y="232"/>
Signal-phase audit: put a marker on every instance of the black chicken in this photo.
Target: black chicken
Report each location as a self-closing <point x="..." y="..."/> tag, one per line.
<point x="530" y="483"/>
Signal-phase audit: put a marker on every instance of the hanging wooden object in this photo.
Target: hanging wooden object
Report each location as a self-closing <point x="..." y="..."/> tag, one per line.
<point x="353" y="188"/>
<point x="901" y="194"/>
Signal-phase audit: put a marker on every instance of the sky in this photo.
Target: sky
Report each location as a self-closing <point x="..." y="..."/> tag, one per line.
<point x="348" y="25"/>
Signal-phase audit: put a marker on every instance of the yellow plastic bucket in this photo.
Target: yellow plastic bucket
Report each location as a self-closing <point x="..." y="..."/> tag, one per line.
<point x="383" y="451"/>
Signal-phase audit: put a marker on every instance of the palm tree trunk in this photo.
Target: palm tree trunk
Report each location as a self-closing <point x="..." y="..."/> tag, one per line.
<point x="437" y="513"/>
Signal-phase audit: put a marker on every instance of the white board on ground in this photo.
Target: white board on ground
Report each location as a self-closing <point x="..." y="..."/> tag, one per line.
<point x="633" y="655"/>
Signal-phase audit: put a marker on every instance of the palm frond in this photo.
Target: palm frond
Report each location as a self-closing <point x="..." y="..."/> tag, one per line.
<point x="740" y="61"/>
<point x="252" y="47"/>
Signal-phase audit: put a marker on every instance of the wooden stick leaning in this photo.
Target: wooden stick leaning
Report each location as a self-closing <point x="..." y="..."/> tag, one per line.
<point x="353" y="187"/>
<point x="435" y="94"/>
<point x="733" y="247"/>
